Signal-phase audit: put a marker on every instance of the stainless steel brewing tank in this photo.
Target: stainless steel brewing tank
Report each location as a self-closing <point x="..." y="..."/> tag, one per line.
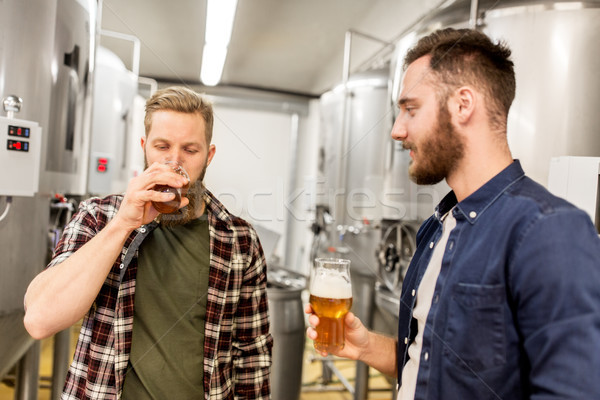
<point x="355" y="123"/>
<point x="554" y="48"/>
<point x="555" y="112"/>
<point x="68" y="132"/>
<point x="33" y="51"/>
<point x="26" y="43"/>
<point x="110" y="139"/>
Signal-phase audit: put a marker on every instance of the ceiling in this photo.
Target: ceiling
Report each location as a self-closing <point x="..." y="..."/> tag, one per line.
<point x="290" y="46"/>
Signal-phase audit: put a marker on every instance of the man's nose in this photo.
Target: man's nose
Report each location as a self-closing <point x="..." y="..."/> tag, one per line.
<point x="399" y="129"/>
<point x="175" y="155"/>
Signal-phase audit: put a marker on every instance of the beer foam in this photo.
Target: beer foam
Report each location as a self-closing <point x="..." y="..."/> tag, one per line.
<point x="332" y="287"/>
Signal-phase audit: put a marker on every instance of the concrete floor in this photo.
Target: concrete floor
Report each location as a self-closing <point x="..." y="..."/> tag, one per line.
<point x="312" y="383"/>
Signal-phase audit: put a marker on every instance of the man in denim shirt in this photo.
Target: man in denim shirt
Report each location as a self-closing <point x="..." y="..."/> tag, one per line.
<point x="502" y="298"/>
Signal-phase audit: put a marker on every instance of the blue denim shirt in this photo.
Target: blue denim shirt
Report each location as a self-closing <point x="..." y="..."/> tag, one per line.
<point x="516" y="308"/>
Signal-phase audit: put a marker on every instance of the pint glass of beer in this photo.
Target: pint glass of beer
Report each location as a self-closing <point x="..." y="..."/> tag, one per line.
<point x="170" y="207"/>
<point x="330" y="299"/>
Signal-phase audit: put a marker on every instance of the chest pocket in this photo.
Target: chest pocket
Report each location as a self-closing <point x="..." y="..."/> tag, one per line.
<point x="476" y="339"/>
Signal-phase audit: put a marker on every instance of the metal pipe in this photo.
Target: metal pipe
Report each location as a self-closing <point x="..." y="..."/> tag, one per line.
<point x="341" y="377"/>
<point x="474" y="14"/>
<point x="340" y="201"/>
<point x="322" y="389"/>
<point x="347" y="51"/>
<point x="135" y="60"/>
<point x="365" y="289"/>
<point x="371" y="37"/>
<point x="293" y="152"/>
<point x="396" y="38"/>
<point x="60" y="362"/>
<point x="325" y="388"/>
<point x="152" y="83"/>
<point x="28" y="374"/>
<point x="369" y="61"/>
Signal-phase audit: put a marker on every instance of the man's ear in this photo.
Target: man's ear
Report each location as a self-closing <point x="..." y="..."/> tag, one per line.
<point x="211" y="153"/>
<point x="143" y="143"/>
<point x="464" y="102"/>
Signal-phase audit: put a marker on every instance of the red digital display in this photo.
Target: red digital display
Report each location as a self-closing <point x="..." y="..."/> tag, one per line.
<point x="102" y="164"/>
<point x="18" y="131"/>
<point x="17" y="145"/>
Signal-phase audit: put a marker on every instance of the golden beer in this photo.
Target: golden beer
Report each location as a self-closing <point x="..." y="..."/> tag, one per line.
<point x="330" y="299"/>
<point x="331" y="313"/>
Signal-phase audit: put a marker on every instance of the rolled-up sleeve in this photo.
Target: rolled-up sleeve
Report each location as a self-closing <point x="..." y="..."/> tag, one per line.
<point x="82" y="228"/>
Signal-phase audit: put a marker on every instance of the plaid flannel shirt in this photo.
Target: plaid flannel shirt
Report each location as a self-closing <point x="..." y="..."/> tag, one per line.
<point x="237" y="344"/>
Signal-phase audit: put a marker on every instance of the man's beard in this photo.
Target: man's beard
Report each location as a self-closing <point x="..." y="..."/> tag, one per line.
<point x="195" y="195"/>
<point x="439" y="154"/>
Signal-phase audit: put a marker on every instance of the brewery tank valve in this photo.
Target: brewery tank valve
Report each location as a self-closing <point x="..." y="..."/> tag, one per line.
<point x="11" y="105"/>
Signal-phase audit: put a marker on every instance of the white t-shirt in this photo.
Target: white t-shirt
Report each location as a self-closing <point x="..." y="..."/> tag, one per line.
<point x="424" y="297"/>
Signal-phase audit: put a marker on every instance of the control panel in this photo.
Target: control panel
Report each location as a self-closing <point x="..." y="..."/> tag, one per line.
<point x="20" y="152"/>
<point x="102" y="173"/>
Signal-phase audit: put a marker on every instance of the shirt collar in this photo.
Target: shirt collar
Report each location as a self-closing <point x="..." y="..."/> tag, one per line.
<point x="475" y="205"/>
<point x="215" y="207"/>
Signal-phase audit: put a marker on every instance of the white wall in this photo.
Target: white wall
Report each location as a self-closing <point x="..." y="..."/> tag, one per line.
<point x="250" y="172"/>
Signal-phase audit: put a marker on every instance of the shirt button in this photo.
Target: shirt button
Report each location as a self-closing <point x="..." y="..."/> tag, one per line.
<point x="413" y="292"/>
<point x="431" y="245"/>
<point x="436" y="298"/>
<point x="426" y="356"/>
<point x="405" y="340"/>
<point x="472" y="214"/>
<point x="121" y="266"/>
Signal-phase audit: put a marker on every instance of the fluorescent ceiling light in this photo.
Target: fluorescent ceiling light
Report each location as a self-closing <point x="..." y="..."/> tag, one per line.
<point x="213" y="60"/>
<point x="219" y="24"/>
<point x="219" y="21"/>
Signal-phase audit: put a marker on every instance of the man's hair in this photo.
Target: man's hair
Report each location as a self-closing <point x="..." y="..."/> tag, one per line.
<point x="468" y="57"/>
<point x="180" y="99"/>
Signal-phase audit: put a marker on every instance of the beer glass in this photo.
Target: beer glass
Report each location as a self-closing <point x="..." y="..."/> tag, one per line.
<point x="170" y="207"/>
<point x="330" y="299"/>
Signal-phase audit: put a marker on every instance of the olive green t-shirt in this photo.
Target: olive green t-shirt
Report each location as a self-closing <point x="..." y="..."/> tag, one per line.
<point x="167" y="349"/>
